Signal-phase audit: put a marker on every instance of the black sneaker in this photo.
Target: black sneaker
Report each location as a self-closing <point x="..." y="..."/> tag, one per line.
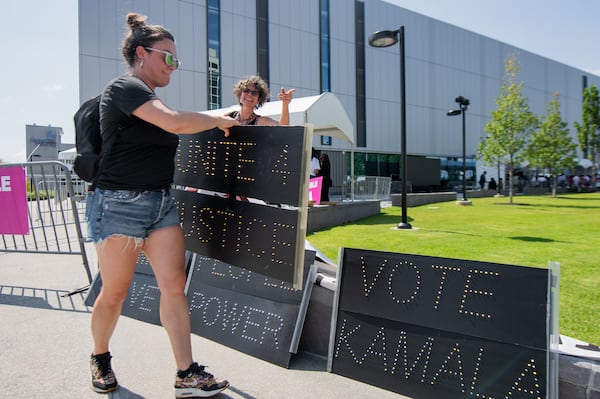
<point x="103" y="377"/>
<point x="197" y="383"/>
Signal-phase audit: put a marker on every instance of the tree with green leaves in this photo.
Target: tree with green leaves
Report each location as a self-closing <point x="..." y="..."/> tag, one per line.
<point x="588" y="132"/>
<point x="551" y="148"/>
<point x="510" y="126"/>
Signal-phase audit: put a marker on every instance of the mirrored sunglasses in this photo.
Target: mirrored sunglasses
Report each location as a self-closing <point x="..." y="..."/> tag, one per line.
<point x="170" y="59"/>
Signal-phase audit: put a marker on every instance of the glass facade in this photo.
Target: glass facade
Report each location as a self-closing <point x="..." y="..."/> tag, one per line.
<point x="213" y="27"/>
<point x="359" y="46"/>
<point x="374" y="164"/>
<point x="325" y="54"/>
<point x="262" y="38"/>
<point x="452" y="170"/>
<point x="389" y="165"/>
<point x="325" y="46"/>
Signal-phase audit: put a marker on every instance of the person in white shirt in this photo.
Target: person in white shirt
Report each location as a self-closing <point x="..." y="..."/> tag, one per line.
<point x="315" y="164"/>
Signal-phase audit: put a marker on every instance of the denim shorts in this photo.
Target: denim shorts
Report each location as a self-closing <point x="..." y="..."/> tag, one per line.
<point x="129" y="213"/>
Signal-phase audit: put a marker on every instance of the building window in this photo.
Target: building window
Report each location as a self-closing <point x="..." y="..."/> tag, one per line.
<point x="214" y="54"/>
<point x="359" y="29"/>
<point x="451" y="172"/>
<point x="325" y="46"/>
<point x="262" y="38"/>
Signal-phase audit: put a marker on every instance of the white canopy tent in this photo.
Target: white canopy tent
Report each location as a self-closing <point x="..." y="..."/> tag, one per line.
<point x="325" y="112"/>
<point x="69" y="154"/>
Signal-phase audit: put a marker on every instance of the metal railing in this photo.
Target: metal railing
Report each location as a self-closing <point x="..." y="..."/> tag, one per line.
<point x="367" y="188"/>
<point x="53" y="212"/>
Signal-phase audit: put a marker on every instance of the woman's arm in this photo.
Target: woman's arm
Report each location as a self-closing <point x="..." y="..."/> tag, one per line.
<point x="286" y="98"/>
<point x="181" y="122"/>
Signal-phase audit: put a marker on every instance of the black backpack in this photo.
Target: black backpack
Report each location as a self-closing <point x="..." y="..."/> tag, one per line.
<point x="88" y="141"/>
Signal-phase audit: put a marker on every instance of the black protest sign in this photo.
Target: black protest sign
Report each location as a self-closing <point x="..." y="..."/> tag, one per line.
<point x="265" y="239"/>
<point x="494" y="301"/>
<point x="426" y="363"/>
<point x="253" y="313"/>
<point x="257" y="315"/>
<point x="264" y="162"/>
<point x="435" y="327"/>
<point x="220" y="274"/>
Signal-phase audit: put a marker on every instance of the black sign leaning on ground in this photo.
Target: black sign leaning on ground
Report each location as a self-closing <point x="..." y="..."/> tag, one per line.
<point x="487" y="300"/>
<point x="432" y="327"/>
<point x="426" y="363"/>
<point x="253" y="313"/>
<point x="265" y="239"/>
<point x="257" y="315"/>
<point x="220" y="274"/>
<point x="264" y="162"/>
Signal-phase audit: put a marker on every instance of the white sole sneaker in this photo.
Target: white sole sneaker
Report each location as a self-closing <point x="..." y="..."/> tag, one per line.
<point x="189" y="393"/>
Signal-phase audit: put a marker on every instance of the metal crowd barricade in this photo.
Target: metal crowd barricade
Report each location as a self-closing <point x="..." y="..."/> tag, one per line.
<point x="53" y="209"/>
<point x="367" y="188"/>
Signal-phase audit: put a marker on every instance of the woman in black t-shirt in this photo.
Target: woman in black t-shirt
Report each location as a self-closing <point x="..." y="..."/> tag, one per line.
<point x="131" y="209"/>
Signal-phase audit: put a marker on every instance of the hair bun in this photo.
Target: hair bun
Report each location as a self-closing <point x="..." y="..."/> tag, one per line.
<point x="135" y="20"/>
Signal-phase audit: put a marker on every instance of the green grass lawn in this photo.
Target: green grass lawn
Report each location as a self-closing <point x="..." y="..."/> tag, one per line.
<point x="531" y="232"/>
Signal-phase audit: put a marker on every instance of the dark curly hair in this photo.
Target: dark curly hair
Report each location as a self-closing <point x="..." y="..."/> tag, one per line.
<point x="260" y="85"/>
<point x="141" y="34"/>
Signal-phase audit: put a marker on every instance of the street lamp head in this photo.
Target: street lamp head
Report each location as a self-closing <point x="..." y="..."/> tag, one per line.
<point x="384" y="38"/>
<point x="454" y="112"/>
<point x="462" y="101"/>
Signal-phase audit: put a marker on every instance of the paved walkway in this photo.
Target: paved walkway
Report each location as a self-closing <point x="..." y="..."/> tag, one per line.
<point x="45" y="341"/>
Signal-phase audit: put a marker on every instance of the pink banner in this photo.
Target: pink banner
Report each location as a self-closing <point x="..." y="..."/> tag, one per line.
<point x="314" y="189"/>
<point x="13" y="201"/>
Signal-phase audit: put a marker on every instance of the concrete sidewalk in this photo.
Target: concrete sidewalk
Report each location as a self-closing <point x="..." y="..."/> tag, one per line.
<point x="45" y="340"/>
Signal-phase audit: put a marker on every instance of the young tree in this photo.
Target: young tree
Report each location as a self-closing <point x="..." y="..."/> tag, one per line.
<point x="510" y="126"/>
<point x="588" y="132"/>
<point x="551" y="147"/>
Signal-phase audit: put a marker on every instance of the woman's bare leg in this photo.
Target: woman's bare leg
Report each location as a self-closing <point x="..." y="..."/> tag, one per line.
<point x="117" y="257"/>
<point x="165" y="250"/>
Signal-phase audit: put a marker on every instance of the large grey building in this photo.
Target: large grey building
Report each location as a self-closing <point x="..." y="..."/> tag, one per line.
<point x="320" y="46"/>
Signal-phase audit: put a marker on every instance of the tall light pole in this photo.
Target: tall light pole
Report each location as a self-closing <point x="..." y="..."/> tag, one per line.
<point x="386" y="38"/>
<point x="464" y="104"/>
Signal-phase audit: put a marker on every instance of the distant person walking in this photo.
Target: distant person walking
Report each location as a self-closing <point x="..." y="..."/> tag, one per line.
<point x="482" y="180"/>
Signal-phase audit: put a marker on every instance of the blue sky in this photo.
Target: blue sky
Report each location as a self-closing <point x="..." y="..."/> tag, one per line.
<point x="41" y="70"/>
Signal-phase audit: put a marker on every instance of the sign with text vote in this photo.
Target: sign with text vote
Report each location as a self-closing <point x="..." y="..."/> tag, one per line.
<point x="430" y="327"/>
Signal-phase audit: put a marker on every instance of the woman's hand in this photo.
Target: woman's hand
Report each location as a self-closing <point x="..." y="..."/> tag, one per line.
<point x="286" y="96"/>
<point x="226" y="123"/>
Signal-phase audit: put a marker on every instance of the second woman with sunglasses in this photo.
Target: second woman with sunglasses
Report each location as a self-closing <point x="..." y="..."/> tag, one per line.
<point x="252" y="93"/>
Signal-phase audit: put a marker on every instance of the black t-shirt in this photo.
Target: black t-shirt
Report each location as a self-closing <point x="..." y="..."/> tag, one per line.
<point x="136" y="155"/>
